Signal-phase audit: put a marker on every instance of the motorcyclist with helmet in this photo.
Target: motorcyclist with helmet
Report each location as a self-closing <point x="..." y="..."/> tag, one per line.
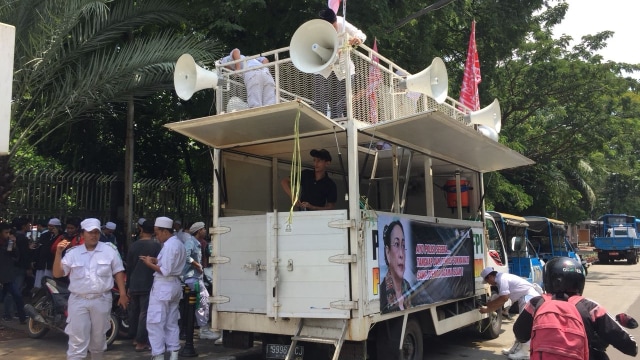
<point x="564" y="277"/>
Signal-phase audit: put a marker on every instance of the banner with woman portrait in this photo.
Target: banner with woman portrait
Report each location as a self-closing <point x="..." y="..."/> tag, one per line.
<point x="422" y="263"/>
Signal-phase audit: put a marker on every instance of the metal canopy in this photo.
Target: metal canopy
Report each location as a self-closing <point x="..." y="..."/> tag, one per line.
<point x="438" y="135"/>
<point x="256" y="126"/>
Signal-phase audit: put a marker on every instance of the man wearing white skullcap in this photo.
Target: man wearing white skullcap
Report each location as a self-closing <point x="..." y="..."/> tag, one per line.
<point x="193" y="276"/>
<point x="91" y="268"/>
<point x="107" y="233"/>
<point x="163" y="313"/>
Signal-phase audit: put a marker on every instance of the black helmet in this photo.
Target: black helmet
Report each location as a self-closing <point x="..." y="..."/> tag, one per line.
<point x="563" y="275"/>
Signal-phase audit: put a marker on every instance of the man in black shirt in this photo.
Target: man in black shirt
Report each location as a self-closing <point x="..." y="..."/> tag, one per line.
<point x="317" y="190"/>
<point x="139" y="283"/>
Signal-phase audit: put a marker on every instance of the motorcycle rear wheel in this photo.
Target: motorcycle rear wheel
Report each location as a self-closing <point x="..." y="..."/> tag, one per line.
<point x="114" y="328"/>
<point x="35" y="329"/>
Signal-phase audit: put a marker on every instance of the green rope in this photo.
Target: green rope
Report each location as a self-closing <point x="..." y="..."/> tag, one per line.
<point x="296" y="167"/>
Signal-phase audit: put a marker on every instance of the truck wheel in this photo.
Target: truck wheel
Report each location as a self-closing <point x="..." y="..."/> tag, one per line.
<point x="603" y="258"/>
<point x="388" y="340"/>
<point x="412" y="347"/>
<point x="491" y="326"/>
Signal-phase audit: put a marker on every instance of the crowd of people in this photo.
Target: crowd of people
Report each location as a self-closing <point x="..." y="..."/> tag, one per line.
<point x="149" y="277"/>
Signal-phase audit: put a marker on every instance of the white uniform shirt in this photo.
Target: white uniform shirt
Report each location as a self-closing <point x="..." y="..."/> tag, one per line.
<point x="353" y="32"/>
<point x="248" y="64"/>
<point x="171" y="258"/>
<point x="514" y="286"/>
<point x="91" y="272"/>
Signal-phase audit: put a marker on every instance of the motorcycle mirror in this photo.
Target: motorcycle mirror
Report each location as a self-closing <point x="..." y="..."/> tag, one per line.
<point x="626" y="321"/>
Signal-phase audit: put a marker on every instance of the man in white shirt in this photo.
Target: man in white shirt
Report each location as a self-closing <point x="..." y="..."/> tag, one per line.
<point x="91" y="268"/>
<point x="261" y="88"/>
<point x="330" y="86"/>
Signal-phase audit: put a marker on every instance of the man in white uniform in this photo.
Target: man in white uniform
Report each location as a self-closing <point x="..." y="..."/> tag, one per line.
<point x="509" y="287"/>
<point x="329" y="84"/>
<point x="91" y="268"/>
<point x="163" y="312"/>
<point x="261" y="89"/>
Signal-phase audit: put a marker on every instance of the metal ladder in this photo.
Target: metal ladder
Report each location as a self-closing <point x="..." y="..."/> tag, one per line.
<point x="321" y="331"/>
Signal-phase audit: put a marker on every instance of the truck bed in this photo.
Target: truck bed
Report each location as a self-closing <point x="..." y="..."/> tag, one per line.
<point x="616" y="243"/>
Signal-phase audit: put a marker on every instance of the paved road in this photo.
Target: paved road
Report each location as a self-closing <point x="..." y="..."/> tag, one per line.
<point x="615" y="286"/>
<point x="14" y="344"/>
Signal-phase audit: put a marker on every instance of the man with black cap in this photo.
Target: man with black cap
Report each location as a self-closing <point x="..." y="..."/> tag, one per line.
<point x="317" y="190"/>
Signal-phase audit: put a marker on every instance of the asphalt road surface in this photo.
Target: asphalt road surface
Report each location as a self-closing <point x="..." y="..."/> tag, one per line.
<point x="615" y="286"/>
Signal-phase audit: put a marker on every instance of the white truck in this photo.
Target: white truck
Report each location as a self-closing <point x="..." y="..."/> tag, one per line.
<point x="309" y="283"/>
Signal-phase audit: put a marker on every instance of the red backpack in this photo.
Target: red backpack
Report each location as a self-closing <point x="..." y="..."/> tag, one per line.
<point x="558" y="330"/>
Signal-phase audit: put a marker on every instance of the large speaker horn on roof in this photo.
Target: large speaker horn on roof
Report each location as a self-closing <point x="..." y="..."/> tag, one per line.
<point x="432" y="81"/>
<point x="188" y="77"/>
<point x="489" y="117"/>
<point x="314" y="46"/>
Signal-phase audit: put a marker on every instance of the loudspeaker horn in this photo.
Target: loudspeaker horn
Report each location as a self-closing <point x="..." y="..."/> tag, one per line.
<point x="432" y="81"/>
<point x="490" y="116"/>
<point x="314" y="46"/>
<point x="188" y="77"/>
<point x="488" y="132"/>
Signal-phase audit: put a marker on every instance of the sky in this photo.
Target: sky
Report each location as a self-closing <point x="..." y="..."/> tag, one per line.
<point x="593" y="16"/>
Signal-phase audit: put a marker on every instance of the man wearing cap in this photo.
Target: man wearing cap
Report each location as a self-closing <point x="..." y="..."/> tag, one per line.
<point x="261" y="89"/>
<point x="317" y="190"/>
<point x="44" y="259"/>
<point x="192" y="275"/>
<point x="163" y="312"/>
<point x="139" y="283"/>
<point x="107" y="233"/>
<point x="91" y="268"/>
<point x="509" y="287"/>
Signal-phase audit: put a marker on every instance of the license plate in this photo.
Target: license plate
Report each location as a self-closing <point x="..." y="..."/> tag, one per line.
<point x="613" y="253"/>
<point x="279" y="351"/>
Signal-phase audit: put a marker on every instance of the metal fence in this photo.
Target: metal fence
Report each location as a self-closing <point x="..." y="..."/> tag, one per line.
<point x="45" y="193"/>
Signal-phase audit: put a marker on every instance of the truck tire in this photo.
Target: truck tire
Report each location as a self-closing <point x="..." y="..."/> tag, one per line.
<point x="412" y="347"/>
<point x="491" y="327"/>
<point x="388" y="340"/>
<point x="603" y="258"/>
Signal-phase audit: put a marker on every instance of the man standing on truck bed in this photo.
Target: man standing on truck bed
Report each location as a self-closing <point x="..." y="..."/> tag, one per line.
<point x="317" y="190"/>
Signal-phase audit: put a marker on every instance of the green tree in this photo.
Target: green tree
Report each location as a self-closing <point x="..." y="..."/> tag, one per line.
<point x="75" y="59"/>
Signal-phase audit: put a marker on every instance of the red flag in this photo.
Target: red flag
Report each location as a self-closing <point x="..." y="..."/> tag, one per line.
<point x="374" y="82"/>
<point x="469" y="92"/>
<point x="334" y="5"/>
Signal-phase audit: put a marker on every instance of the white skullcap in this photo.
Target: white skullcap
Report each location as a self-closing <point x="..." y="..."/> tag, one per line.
<point x="90" y="224"/>
<point x="164" y="222"/>
<point x="141" y="221"/>
<point x="55" y="222"/>
<point x="196" y="226"/>
<point x="109" y="225"/>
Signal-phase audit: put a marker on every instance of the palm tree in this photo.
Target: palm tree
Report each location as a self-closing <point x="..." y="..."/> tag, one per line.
<point x="74" y="56"/>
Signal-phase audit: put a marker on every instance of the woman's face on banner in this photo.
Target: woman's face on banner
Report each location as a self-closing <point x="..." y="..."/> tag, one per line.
<point x="396" y="252"/>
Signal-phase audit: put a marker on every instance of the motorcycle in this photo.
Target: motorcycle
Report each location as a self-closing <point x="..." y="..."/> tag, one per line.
<point x="49" y="311"/>
<point x="585" y="265"/>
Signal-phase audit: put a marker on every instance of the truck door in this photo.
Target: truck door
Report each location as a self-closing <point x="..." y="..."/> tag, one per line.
<point x="308" y="271"/>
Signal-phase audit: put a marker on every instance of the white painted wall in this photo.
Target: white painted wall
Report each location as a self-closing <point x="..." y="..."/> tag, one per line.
<point x="7" y="46"/>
